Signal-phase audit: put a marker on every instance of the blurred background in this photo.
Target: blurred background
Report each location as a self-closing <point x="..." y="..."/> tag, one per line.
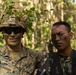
<point x="41" y="15"/>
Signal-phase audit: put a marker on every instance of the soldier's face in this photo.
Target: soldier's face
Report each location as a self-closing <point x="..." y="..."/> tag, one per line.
<point x="12" y="35"/>
<point x="61" y="37"/>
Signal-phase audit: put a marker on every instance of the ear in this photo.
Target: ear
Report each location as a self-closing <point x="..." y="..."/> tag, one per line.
<point x="71" y="35"/>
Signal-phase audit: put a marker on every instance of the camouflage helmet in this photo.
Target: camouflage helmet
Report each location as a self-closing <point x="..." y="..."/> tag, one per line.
<point x="13" y="21"/>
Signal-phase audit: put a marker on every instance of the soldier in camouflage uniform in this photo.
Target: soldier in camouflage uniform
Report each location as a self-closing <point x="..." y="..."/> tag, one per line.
<point x="62" y="62"/>
<point x="15" y="59"/>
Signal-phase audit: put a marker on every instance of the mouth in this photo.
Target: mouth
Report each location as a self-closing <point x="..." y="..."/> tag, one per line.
<point x="58" y="44"/>
<point x="12" y="39"/>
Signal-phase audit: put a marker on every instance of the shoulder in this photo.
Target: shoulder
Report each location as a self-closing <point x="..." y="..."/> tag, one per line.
<point x="33" y="53"/>
<point x="2" y="48"/>
<point x="48" y="59"/>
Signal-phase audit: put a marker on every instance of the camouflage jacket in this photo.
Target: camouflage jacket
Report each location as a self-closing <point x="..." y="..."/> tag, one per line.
<point x="59" y="65"/>
<point x="18" y="63"/>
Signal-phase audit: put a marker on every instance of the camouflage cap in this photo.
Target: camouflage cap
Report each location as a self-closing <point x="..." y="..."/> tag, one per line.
<point x="13" y="21"/>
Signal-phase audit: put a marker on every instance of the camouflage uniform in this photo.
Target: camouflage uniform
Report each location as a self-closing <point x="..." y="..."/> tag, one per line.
<point x="18" y="63"/>
<point x="23" y="62"/>
<point x="59" y="65"/>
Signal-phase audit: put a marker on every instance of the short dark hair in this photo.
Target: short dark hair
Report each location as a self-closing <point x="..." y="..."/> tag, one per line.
<point x="67" y="25"/>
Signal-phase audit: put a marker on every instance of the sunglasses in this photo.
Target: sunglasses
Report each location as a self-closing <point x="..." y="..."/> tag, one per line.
<point x="16" y="30"/>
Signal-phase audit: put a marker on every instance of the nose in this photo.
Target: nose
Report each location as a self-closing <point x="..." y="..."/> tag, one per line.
<point x="12" y="33"/>
<point x="57" y="38"/>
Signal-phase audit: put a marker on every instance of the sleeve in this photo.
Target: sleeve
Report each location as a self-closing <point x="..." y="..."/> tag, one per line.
<point x="39" y="59"/>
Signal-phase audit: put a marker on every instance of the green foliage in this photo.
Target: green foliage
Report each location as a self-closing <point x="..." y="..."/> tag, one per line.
<point x="39" y="14"/>
<point x="1" y="40"/>
<point x="25" y="3"/>
<point x="59" y="1"/>
<point x="73" y="44"/>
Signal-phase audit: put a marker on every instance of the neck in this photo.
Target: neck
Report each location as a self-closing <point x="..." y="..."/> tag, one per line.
<point x="66" y="52"/>
<point x="16" y="48"/>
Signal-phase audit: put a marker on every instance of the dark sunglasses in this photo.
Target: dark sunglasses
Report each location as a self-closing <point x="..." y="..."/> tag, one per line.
<point x="16" y="30"/>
